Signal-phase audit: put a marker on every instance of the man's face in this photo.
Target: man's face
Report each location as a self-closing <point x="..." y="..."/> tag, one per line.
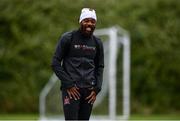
<point x="87" y="26"/>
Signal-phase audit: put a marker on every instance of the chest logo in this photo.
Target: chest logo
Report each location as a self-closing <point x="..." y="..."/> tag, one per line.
<point x="85" y="47"/>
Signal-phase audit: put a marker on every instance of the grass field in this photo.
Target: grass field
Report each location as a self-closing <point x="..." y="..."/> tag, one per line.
<point x="19" y="116"/>
<point x="133" y="117"/>
<point x="155" y="117"/>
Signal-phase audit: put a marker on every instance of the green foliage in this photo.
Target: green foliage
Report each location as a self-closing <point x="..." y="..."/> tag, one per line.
<point x="29" y="31"/>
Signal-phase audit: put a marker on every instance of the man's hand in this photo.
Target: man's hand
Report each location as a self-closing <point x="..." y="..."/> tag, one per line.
<point x="73" y="93"/>
<point x="92" y="97"/>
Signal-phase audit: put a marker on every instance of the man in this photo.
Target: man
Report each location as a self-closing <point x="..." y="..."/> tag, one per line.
<point x="78" y="62"/>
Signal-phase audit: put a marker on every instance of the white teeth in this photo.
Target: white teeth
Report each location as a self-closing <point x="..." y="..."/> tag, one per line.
<point x="88" y="29"/>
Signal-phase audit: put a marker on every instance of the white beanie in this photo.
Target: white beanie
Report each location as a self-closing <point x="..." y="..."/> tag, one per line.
<point x="87" y="13"/>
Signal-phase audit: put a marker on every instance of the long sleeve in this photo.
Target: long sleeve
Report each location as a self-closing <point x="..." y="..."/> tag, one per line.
<point x="61" y="50"/>
<point x="99" y="61"/>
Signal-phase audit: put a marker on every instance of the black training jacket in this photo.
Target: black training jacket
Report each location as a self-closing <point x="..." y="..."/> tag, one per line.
<point x="79" y="60"/>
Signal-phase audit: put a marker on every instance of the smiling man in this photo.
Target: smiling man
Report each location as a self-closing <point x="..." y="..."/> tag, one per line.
<point x="79" y="62"/>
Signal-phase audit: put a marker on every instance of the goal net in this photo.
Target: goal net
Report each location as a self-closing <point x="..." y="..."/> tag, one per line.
<point x="113" y="102"/>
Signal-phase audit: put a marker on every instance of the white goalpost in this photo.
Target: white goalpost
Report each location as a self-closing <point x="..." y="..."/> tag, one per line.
<point x="117" y="37"/>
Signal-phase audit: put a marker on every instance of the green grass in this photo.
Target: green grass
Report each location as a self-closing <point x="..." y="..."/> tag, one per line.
<point x="133" y="117"/>
<point x="155" y="117"/>
<point x="19" y="116"/>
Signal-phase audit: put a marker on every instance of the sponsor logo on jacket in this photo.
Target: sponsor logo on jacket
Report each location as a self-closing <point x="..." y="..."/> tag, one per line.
<point x="85" y="47"/>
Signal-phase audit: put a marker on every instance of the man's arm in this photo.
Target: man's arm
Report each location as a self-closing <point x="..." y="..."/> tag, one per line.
<point x="99" y="67"/>
<point x="99" y="61"/>
<point x="66" y="81"/>
<point x="57" y="59"/>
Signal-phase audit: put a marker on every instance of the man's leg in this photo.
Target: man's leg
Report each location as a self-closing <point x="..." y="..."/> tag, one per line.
<point x="70" y="107"/>
<point x="85" y="107"/>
